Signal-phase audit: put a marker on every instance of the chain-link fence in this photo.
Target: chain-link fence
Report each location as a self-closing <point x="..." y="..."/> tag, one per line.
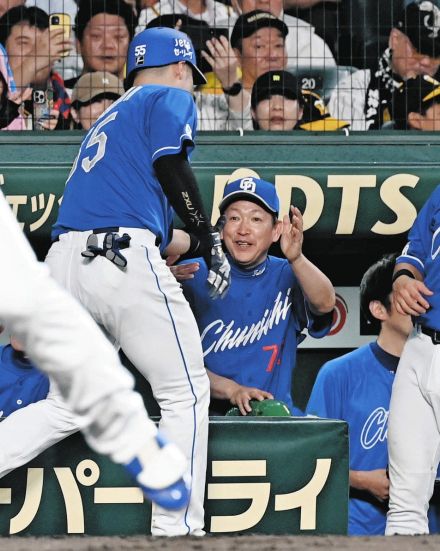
<point x="311" y="65"/>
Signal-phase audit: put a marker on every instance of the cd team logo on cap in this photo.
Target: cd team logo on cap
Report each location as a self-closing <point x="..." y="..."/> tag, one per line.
<point x="251" y="189"/>
<point x="248" y="184"/>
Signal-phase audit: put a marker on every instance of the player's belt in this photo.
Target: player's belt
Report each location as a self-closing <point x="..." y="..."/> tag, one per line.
<point x="110" y="229"/>
<point x="433" y="333"/>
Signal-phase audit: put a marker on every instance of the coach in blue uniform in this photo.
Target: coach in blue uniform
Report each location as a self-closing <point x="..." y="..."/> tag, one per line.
<point x="249" y="339"/>
<point x="357" y="388"/>
<point x="131" y="175"/>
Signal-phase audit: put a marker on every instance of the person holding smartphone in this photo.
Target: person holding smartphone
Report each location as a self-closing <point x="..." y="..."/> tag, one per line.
<point x="222" y="102"/>
<point x="32" y="49"/>
<point x="62" y="15"/>
<point x="10" y="98"/>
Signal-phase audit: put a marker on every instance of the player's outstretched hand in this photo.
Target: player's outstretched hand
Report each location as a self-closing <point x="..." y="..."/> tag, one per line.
<point x="219" y="275"/>
<point x="244" y="394"/>
<point x="182" y="272"/>
<point x="409" y="296"/>
<point x="292" y="234"/>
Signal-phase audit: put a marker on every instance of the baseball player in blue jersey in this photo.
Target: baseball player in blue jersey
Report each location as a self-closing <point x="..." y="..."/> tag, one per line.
<point x="356" y="388"/>
<point x="21" y="383"/>
<point x="131" y="175"/>
<point x="414" y="423"/>
<point x="250" y="338"/>
<point x="65" y="343"/>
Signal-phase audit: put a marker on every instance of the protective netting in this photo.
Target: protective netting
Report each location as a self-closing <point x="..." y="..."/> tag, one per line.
<point x="305" y="64"/>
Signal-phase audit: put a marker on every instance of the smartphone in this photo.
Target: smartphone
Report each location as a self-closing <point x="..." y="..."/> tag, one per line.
<point x="42" y="104"/>
<point x="61" y="20"/>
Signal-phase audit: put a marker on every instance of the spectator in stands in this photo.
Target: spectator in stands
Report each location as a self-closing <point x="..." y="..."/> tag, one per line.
<point x="10" y="97"/>
<point x="219" y="105"/>
<point x="364" y="98"/>
<point x="92" y="95"/>
<point x="212" y="12"/>
<point x="32" y="50"/>
<point x="305" y="49"/>
<point x="222" y="109"/>
<point x="270" y="301"/>
<point x="10" y="105"/>
<point x="69" y="66"/>
<point x="279" y="103"/>
<point x="6" y="5"/>
<point x="357" y="389"/>
<point x="258" y="39"/>
<point x="103" y="31"/>
<point x="417" y="105"/>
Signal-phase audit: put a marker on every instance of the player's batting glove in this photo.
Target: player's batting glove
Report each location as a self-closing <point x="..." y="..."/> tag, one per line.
<point x="220" y="224"/>
<point x="219" y="276"/>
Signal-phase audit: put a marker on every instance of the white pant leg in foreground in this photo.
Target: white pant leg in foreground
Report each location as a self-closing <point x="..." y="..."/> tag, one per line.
<point x="143" y="309"/>
<point x="64" y="342"/>
<point x="413" y="436"/>
<point x="30" y="430"/>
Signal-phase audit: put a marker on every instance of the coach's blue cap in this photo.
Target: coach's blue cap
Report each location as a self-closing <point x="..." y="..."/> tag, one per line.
<point x="160" y="46"/>
<point x="251" y="189"/>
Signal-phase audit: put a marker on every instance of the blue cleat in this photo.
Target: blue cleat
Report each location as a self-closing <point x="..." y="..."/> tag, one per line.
<point x="160" y="472"/>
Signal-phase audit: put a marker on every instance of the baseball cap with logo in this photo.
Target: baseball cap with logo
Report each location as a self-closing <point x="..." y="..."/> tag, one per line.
<point x="248" y="23"/>
<point x="91" y="85"/>
<point x="420" y="21"/>
<point x="160" y="46"/>
<point x="251" y="189"/>
<point x="273" y="83"/>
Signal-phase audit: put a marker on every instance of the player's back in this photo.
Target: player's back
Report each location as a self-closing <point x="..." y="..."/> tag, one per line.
<point x="112" y="182"/>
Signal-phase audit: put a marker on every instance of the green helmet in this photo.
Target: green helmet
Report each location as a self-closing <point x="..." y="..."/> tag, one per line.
<point x="265" y="408"/>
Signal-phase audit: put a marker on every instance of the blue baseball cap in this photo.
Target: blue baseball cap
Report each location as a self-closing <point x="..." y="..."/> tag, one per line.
<point x="160" y="46"/>
<point x="251" y="189"/>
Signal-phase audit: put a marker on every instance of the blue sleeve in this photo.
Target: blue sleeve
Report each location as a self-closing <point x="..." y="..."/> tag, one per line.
<point x="171" y="123"/>
<point x="421" y="238"/>
<point x="326" y="397"/>
<point x="195" y="287"/>
<point x="317" y="325"/>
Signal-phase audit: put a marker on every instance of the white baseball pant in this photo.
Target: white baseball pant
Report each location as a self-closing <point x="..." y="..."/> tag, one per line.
<point x="29" y="431"/>
<point x="142" y="309"/>
<point x="63" y="340"/>
<point x="414" y="436"/>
